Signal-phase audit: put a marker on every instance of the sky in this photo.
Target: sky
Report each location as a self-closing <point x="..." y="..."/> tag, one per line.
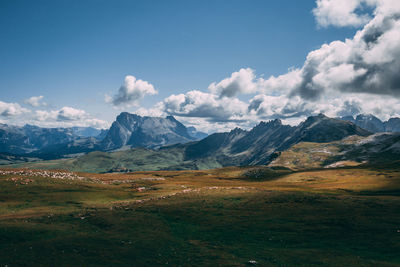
<point x="214" y="65"/>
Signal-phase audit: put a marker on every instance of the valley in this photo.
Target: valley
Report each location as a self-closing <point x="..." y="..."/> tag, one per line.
<point x="324" y="192"/>
<point x="236" y="216"/>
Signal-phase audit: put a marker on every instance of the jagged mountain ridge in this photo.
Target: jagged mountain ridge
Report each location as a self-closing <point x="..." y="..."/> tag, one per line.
<point x="374" y="124"/>
<point x="257" y="146"/>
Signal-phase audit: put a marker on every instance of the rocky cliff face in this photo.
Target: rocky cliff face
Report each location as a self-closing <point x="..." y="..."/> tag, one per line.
<point x="131" y="130"/>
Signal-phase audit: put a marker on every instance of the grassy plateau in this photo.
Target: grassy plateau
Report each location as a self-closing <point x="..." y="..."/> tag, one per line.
<point x="236" y="216"/>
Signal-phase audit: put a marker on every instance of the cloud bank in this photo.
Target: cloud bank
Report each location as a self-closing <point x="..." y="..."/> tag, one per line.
<point x="358" y="75"/>
<point x="14" y="114"/>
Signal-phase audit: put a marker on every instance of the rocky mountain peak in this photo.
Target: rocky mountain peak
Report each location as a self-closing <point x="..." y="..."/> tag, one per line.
<point x="132" y="130"/>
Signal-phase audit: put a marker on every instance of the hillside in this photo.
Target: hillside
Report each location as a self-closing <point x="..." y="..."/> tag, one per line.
<point x="351" y="151"/>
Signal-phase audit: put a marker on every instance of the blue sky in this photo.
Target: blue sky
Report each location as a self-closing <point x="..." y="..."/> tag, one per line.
<point x="73" y="53"/>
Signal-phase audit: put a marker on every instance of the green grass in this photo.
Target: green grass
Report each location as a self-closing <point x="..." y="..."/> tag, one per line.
<point x="278" y="222"/>
<point x="139" y="159"/>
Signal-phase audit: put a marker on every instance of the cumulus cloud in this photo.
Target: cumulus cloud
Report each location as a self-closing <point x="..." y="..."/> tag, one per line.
<point x="357" y="75"/>
<point x="11" y="109"/>
<point x="270" y="107"/>
<point x="63" y="114"/>
<point x="131" y="92"/>
<point x="367" y="63"/>
<point x="342" y="12"/>
<point x="281" y="84"/>
<point x="35" y="101"/>
<point x="203" y="105"/>
<point x="240" y="82"/>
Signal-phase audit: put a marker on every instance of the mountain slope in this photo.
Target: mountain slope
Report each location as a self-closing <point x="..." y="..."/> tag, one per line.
<point x="351" y="151"/>
<point x="192" y="131"/>
<point x="258" y="145"/>
<point x="322" y="129"/>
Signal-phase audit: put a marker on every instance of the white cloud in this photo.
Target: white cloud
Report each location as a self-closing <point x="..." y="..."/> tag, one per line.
<point x="281" y="84"/>
<point x="240" y="82"/>
<point x="35" y="101"/>
<point x="131" y="92"/>
<point x="66" y="117"/>
<point x="204" y="105"/>
<point x="341" y="12"/>
<point x="11" y="109"/>
<point x="367" y="63"/>
<point x="14" y="114"/>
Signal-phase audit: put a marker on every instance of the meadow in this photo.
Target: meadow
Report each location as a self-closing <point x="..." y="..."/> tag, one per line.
<point x="222" y="217"/>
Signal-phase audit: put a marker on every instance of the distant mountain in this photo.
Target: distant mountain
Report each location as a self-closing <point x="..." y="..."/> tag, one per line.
<point x="21" y="140"/>
<point x="131" y="130"/>
<point x="29" y="139"/>
<point x="192" y="131"/>
<point x="392" y="125"/>
<point x="374" y="124"/>
<point x="86" y="131"/>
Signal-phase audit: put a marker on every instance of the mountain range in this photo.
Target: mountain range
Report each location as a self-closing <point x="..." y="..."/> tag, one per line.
<point x="258" y="146"/>
<point x="29" y="138"/>
<point x="145" y="143"/>
<point x="374" y="124"/>
<point x="127" y="131"/>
